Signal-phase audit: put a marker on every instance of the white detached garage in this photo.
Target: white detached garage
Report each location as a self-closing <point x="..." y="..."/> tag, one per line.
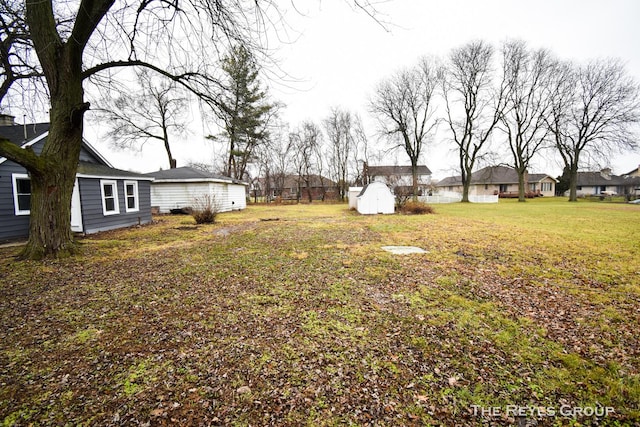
<point x="180" y="187"/>
<point x="375" y="198"/>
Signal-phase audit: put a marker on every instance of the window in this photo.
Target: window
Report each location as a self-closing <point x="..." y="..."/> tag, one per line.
<point x="109" y="191"/>
<point x="546" y="186"/>
<point x="532" y="186"/>
<point x="21" y="194"/>
<point x="504" y="188"/>
<point x="131" y="196"/>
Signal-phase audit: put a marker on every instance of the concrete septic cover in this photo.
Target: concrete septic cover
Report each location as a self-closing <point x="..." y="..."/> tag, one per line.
<point x="404" y="250"/>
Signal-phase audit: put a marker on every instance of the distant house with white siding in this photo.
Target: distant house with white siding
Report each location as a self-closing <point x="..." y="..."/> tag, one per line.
<point x="180" y="188"/>
<point x="501" y="180"/>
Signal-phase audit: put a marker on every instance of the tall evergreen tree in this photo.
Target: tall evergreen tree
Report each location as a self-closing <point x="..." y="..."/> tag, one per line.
<point x="244" y="110"/>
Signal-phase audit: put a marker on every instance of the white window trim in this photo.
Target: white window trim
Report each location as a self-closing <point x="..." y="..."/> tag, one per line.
<point x="136" y="208"/>
<point x="15" y="177"/>
<point x="104" y="182"/>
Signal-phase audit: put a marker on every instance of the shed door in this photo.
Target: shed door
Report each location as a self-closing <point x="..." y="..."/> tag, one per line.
<point x="76" y="210"/>
<point x="380" y="199"/>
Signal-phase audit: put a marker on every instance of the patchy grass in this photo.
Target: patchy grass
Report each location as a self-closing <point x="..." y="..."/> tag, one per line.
<point x="293" y="315"/>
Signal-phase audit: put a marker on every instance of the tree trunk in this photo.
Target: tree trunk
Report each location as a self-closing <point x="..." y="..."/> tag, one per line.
<point x="521" y="185"/>
<point x="465" y="192"/>
<point x="50" y="223"/>
<point x="414" y="175"/>
<point x="52" y="184"/>
<point x="165" y="139"/>
<point x="53" y="177"/>
<point x="466" y="183"/>
<point x="573" y="184"/>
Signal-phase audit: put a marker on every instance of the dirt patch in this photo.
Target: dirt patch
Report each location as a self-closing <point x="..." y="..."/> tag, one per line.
<point x="187" y="227"/>
<point x="232" y="229"/>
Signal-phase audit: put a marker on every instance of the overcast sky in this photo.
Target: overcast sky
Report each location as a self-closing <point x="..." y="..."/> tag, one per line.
<point x="335" y="56"/>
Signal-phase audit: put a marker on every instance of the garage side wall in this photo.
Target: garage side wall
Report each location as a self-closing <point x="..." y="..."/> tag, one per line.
<point x="172" y="195"/>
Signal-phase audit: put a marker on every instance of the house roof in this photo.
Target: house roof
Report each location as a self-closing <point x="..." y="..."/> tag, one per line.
<point x="315" y="181"/>
<point x="493" y="175"/>
<point x="16" y="133"/>
<point x="189" y="174"/>
<point x="396" y="170"/>
<point x="450" y="181"/>
<point x="537" y="177"/>
<point x="95" y="170"/>
<point x="635" y="172"/>
<point x="589" y="179"/>
<point x="36" y="132"/>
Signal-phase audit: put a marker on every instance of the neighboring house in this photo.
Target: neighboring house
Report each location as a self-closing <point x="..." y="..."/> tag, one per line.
<point x="501" y="180"/>
<point x="103" y="198"/>
<point x="635" y="172"/>
<point x="400" y="178"/>
<point x="604" y="183"/>
<point x="185" y="187"/>
<point x="375" y="198"/>
<point x="294" y="187"/>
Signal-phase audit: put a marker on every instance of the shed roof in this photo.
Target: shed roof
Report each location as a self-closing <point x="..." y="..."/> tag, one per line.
<point x="373" y="185"/>
<point x="189" y="174"/>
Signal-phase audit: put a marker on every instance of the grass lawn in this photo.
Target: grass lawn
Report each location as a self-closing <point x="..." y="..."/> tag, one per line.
<point x="528" y="309"/>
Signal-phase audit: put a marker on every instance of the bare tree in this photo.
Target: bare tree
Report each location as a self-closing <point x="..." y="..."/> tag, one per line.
<point x="155" y="113"/>
<point x="339" y="129"/>
<point x="527" y="75"/>
<point x="304" y="142"/>
<point x="473" y="105"/>
<point x="19" y="63"/>
<point x="360" y="152"/>
<point x="274" y="158"/>
<point x="72" y="46"/>
<point x="594" y="109"/>
<point x="404" y="106"/>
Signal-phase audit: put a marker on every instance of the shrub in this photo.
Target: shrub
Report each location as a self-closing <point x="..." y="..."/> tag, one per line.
<point x="416" y="208"/>
<point x="205" y="209"/>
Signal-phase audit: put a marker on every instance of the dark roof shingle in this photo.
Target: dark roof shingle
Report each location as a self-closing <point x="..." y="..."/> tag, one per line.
<point x="187" y="173"/>
<point x="16" y="133"/>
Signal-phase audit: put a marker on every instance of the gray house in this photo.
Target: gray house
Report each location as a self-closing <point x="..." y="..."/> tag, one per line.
<point x="104" y="198"/>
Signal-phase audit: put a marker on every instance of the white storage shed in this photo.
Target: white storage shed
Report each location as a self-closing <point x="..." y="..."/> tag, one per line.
<point x="376" y="198"/>
<point x="180" y="187"/>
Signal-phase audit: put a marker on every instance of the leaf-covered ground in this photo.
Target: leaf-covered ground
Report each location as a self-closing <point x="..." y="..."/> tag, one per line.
<point x="517" y="309"/>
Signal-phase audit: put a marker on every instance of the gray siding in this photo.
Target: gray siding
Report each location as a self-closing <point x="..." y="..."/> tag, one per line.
<point x="11" y="226"/>
<point x="86" y="156"/>
<point x="94" y="220"/>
